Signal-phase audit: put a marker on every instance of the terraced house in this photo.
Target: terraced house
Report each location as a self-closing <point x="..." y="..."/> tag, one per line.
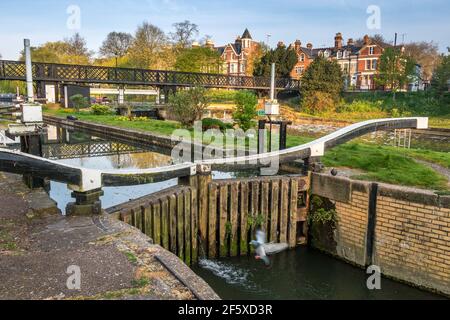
<point x="359" y="63"/>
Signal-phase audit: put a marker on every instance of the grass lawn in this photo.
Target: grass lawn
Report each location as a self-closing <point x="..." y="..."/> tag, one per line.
<point x="154" y="126"/>
<point x="380" y="163"/>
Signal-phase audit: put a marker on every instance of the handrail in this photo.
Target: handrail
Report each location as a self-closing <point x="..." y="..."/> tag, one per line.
<point x="62" y="72"/>
<point x="81" y="179"/>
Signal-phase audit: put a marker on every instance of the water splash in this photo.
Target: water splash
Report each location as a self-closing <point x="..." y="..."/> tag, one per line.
<point x="228" y="272"/>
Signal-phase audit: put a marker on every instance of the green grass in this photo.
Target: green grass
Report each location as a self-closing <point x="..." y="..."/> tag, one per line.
<point x="385" y="165"/>
<point x="154" y="126"/>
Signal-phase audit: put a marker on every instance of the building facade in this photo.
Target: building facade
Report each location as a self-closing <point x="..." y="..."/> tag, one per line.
<point x="237" y="56"/>
<point x="359" y="63"/>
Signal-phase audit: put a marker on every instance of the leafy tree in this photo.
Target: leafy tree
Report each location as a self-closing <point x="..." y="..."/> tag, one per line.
<point x="246" y="104"/>
<point x="199" y="60"/>
<point x="184" y="34"/>
<point x="395" y="69"/>
<point x="189" y="105"/>
<point x="72" y="50"/>
<point x="284" y="58"/>
<point x="441" y="76"/>
<point x="324" y="77"/>
<point x="426" y="54"/>
<point x="116" y="45"/>
<point x="148" y="46"/>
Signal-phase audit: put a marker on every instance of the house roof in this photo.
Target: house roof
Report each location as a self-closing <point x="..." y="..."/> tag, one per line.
<point x="246" y="35"/>
<point x="314" y="53"/>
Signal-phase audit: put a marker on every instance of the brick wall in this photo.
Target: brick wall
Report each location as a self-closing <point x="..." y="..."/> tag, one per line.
<point x="351" y="227"/>
<point x="412" y="236"/>
<point x="411" y="239"/>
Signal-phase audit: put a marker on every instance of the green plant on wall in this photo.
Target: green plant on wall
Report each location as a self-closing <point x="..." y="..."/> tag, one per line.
<point x="320" y="213"/>
<point x="255" y="221"/>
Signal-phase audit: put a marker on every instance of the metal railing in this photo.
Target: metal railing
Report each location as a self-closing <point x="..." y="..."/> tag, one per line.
<point x="52" y="72"/>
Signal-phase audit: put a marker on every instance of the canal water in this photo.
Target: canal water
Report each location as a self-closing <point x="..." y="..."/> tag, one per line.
<point x="301" y="274"/>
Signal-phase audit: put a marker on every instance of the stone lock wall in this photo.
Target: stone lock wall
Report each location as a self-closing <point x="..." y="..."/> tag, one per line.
<point x="404" y="231"/>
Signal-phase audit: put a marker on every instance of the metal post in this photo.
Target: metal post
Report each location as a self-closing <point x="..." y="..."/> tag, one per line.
<point x="272" y="83"/>
<point x="29" y="71"/>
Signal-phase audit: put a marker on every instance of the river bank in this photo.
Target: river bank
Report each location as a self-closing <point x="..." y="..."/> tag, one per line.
<point x="40" y="249"/>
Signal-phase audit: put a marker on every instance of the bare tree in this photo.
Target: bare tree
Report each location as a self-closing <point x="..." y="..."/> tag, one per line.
<point x="116" y="45"/>
<point x="426" y="54"/>
<point x="77" y="45"/>
<point x="377" y="38"/>
<point x="148" y="45"/>
<point x="185" y="33"/>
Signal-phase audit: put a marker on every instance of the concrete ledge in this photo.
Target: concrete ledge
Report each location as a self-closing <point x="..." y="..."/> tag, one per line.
<point x="408" y="194"/>
<point x="337" y="188"/>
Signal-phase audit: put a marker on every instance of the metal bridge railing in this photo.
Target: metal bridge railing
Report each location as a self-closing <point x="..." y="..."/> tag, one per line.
<point x="15" y="70"/>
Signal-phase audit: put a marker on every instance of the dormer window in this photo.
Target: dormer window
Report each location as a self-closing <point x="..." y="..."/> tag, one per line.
<point x="345" y="54"/>
<point x="320" y="54"/>
<point x="339" y="54"/>
<point x="371" y="51"/>
<point x="327" y="54"/>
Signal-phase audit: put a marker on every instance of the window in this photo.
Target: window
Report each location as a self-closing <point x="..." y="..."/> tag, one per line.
<point x="371" y="64"/>
<point x="339" y="54"/>
<point x="371" y="51"/>
<point x="299" y="70"/>
<point x="302" y="57"/>
<point x="345" y="54"/>
<point x="327" y="54"/>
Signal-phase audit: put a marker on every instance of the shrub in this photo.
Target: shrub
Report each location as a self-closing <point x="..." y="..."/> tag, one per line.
<point x="79" y="101"/>
<point x="318" y="102"/>
<point x="188" y="106"/>
<point x="99" y="110"/>
<point x="361" y="106"/>
<point x="246" y="103"/>
<point x="210" y="123"/>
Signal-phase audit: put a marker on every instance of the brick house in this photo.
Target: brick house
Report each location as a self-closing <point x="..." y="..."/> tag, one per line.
<point x="358" y="63"/>
<point x="237" y="56"/>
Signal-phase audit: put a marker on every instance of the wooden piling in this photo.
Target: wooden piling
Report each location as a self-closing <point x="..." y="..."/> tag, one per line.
<point x="163" y="208"/>
<point x="194" y="225"/>
<point x="234" y="219"/>
<point x="203" y="208"/>
<point x="157" y="220"/>
<point x="187" y="228"/>
<point x="284" y="207"/>
<point x="212" y="221"/>
<point x="180" y="225"/>
<point x="293" y="204"/>
<point x="274" y="210"/>
<point x="265" y="186"/>
<point x="173" y="223"/>
<point x="224" y="230"/>
<point x="244" y="219"/>
<point x="148" y="220"/>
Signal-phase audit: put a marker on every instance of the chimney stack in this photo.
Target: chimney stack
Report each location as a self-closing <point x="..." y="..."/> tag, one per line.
<point x="298" y="45"/>
<point x="350" y="42"/>
<point x="209" y="44"/>
<point x="309" y="46"/>
<point x="338" y="41"/>
<point x="366" y="40"/>
<point x="281" y="44"/>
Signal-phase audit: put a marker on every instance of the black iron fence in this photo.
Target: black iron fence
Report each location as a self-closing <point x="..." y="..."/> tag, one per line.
<point x="15" y="70"/>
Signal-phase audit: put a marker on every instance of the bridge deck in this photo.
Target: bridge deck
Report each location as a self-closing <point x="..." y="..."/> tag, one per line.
<point x="15" y="70"/>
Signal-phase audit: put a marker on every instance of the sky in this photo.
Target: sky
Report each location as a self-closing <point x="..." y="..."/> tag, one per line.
<point x="315" y="21"/>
